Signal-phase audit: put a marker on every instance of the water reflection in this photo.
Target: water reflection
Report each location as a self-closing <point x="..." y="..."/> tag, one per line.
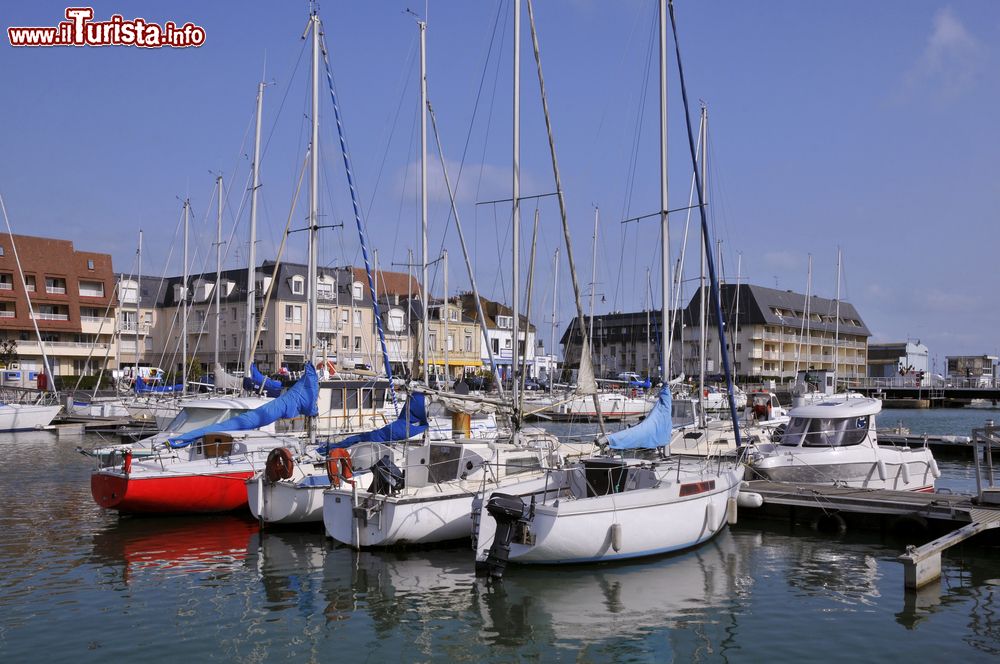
<point x="173" y="546"/>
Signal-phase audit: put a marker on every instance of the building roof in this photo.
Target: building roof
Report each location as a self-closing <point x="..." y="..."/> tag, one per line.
<point x="493" y="309"/>
<point x="390" y="283"/>
<point x="759" y="305"/>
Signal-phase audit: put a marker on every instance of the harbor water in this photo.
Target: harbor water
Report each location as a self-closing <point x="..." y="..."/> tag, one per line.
<point x="80" y="584"/>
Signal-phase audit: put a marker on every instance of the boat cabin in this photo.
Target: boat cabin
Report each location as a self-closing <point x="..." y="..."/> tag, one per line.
<point x="832" y="423"/>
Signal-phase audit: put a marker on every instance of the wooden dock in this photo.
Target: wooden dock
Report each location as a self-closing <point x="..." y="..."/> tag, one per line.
<point x="831" y="508"/>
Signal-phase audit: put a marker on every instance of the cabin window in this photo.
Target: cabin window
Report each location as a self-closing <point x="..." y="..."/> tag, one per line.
<point x="826" y="432"/>
<point x="443" y="463"/>
<point x="336" y="399"/>
<point x="366" y="399"/>
<point x="352" y="399"/>
<point x="379" y="398"/>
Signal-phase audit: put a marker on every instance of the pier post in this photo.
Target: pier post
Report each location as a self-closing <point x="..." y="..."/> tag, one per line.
<point x="920" y="570"/>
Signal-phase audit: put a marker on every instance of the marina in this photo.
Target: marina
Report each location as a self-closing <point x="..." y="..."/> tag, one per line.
<point x="350" y="409"/>
<point x="197" y="585"/>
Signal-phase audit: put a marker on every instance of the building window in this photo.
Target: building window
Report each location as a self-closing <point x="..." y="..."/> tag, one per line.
<point x="1" y="250"/>
<point x="496" y="345"/>
<point x="357" y="318"/>
<point x="92" y="288"/>
<point x="344" y="317"/>
<point x="55" y="285"/>
<point x="468" y="343"/>
<point x="357" y="343"/>
<point x="324" y="291"/>
<point x="6" y="282"/>
<point x="29" y="283"/>
<point x="345" y="342"/>
<point x="288" y="341"/>
<point x="396" y="320"/>
<point x="90" y="262"/>
<point x="453" y="314"/>
<point x="506" y="343"/>
<point x="433" y="341"/>
<point x="298" y="285"/>
<point x="293" y="313"/>
<point x="357" y="290"/>
<point x="505" y="322"/>
<point x="451" y="342"/>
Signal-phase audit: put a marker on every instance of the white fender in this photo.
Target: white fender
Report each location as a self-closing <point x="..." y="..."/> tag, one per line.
<point x="904" y="469"/>
<point x="881" y="469"/>
<point x="935" y="472"/>
<point x="616" y="536"/>
<point x="731" y="512"/>
<point x="749" y="499"/>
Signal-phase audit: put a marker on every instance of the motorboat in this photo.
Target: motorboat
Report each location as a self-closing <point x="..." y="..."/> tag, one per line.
<point x="603" y="508"/>
<point x="835" y="442"/>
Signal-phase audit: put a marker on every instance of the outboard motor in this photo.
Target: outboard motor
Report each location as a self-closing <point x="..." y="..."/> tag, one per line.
<point x="387" y="479"/>
<point x="507" y="511"/>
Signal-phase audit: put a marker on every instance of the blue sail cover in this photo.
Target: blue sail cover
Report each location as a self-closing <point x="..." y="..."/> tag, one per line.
<point x="300" y="399"/>
<point x="412" y="421"/>
<point x="141" y="386"/>
<point x="654" y="431"/>
<point x="272" y="388"/>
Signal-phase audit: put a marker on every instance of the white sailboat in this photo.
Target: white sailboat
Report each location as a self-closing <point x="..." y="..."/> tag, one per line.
<point x="613" y="506"/>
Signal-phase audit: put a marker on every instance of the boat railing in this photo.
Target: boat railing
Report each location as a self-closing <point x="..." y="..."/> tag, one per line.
<point x="985" y="439"/>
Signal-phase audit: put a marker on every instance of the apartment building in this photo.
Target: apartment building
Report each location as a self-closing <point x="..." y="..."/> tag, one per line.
<point x="500" y="333"/>
<point x="770" y="334"/>
<point x="72" y="302"/>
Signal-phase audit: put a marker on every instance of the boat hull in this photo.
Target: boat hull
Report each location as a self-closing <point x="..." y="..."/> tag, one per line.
<point x="287" y="502"/>
<point x="644" y="523"/>
<point x="17" y="417"/>
<point x="862" y="474"/>
<point x="176" y="494"/>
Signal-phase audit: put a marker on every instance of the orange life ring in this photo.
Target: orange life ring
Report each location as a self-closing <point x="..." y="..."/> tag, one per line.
<point x="332" y="370"/>
<point x="338" y="466"/>
<point x="279" y="464"/>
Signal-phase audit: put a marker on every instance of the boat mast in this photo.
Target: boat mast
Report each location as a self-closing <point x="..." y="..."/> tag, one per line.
<point x="552" y="334"/>
<point x="647" y="302"/>
<point x="836" y="328"/>
<point x="218" y="274"/>
<point x="313" y="211"/>
<point x="736" y="306"/>
<point x="444" y="310"/>
<point x="664" y="226"/>
<point x="515" y="196"/>
<point x="138" y="297"/>
<point x="252" y="249"/>
<point x="702" y="353"/>
<point x="184" y="315"/>
<point x="593" y="269"/>
<point x="425" y="300"/>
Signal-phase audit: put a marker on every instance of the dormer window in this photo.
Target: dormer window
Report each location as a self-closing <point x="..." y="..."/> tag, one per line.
<point x="298" y="285"/>
<point x="357" y="290"/>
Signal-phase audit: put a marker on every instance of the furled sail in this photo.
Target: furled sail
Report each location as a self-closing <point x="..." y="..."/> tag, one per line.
<point x="224" y="380"/>
<point x="654" y="431"/>
<point x="412" y="421"/>
<point x="300" y="399"/>
<point x="585" y="381"/>
<point x="141" y="387"/>
<point x="253" y="383"/>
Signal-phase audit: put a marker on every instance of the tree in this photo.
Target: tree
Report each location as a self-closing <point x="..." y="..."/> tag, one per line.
<point x="8" y="352"/>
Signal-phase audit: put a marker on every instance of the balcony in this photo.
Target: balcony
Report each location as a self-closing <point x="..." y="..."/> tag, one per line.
<point x="96" y="324"/>
<point x="41" y="316"/>
<point x="56" y="290"/>
<point x="6" y="285"/>
<point x="7" y="314"/>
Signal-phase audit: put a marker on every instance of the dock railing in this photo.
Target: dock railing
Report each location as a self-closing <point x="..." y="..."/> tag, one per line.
<point x="985" y="438"/>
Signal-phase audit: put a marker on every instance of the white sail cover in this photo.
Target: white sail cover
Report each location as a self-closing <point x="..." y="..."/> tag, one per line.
<point x="226" y="381"/>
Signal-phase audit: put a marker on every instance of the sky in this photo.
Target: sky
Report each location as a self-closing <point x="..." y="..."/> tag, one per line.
<point x="864" y="127"/>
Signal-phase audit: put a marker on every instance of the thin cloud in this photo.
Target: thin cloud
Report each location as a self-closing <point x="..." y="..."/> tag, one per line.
<point x="949" y="64"/>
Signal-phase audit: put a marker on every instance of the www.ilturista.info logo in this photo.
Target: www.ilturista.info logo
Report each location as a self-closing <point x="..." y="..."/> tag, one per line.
<point x="80" y="30"/>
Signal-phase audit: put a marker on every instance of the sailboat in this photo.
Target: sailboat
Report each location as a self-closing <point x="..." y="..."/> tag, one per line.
<point x="202" y="470"/>
<point x="635" y="499"/>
